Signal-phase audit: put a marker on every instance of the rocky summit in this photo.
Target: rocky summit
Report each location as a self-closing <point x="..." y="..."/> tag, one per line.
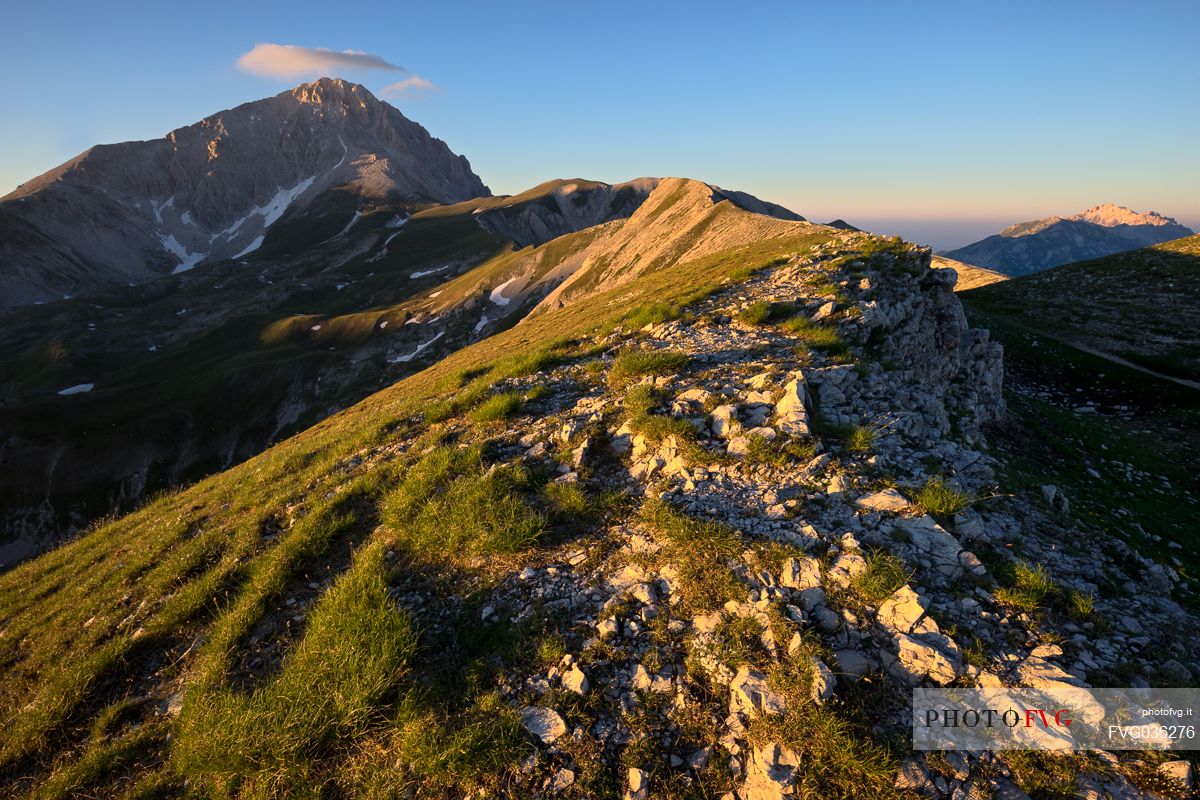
<point x="1102" y="230"/>
<point x="127" y="213"/>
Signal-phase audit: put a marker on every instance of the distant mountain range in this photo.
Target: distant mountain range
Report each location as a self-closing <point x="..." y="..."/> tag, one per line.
<point x="1100" y="231"/>
<point x="125" y="213"/>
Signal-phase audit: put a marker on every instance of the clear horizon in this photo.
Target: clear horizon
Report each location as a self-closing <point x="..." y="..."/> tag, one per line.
<point x="982" y="118"/>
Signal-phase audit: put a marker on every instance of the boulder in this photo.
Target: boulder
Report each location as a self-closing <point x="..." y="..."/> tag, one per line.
<point x="790" y="410"/>
<point x="543" y="723"/>
<point x="639" y="784"/>
<point x="725" y="421"/>
<point x="823" y="682"/>
<point x="933" y="543"/>
<point x="750" y="694"/>
<point x="902" y="611"/>
<point x="575" y="680"/>
<point x="770" y="773"/>
<point x="1178" y="771"/>
<point x="929" y="655"/>
<point x="885" y="500"/>
<point x="800" y="573"/>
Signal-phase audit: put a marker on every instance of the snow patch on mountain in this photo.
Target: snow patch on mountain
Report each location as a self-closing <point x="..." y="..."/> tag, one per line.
<point x="187" y="259"/>
<point x="497" y="295"/>
<point x="415" y="353"/>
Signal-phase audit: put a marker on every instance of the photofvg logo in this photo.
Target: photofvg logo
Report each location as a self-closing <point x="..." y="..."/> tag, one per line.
<point x="1056" y="718"/>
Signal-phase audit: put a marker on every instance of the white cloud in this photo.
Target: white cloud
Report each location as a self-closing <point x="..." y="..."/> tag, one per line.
<point x="292" y="61"/>
<point x="413" y="84"/>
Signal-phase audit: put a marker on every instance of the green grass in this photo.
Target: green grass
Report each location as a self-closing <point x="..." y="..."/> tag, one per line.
<point x="782" y="451"/>
<point x="940" y="499"/>
<point x="497" y="407"/>
<point x="1049" y="444"/>
<point x="450" y="506"/>
<point x="840" y="759"/>
<point x="762" y="312"/>
<point x="885" y="573"/>
<point x="640" y="401"/>
<point x="651" y="314"/>
<point x="356" y="647"/>
<point x="816" y="335"/>
<point x="1031" y="585"/>
<point x="631" y="365"/>
<point x="738" y="641"/>
<point x="105" y="761"/>
<point x="860" y="439"/>
<point x="700" y="551"/>
<point x="1081" y="605"/>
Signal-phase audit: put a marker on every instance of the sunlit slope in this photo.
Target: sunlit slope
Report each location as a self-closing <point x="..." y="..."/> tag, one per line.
<point x="969" y="276"/>
<point x="170" y="595"/>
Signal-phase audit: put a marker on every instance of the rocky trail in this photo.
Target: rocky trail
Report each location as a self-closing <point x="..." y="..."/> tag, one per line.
<point x="783" y="585"/>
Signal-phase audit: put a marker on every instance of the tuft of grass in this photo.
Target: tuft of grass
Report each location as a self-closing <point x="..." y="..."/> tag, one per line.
<point x="651" y="314"/>
<point x="1031" y="586"/>
<point x="630" y="365"/>
<point x="860" y="439"/>
<point x="778" y="452"/>
<point x="640" y="401"/>
<point x="1045" y="775"/>
<point x="852" y="763"/>
<point x="762" y="312"/>
<point x="700" y="551"/>
<point x="568" y="500"/>
<point x="103" y="762"/>
<point x="756" y="313"/>
<point x="940" y="499"/>
<point x="738" y="641"/>
<point x="357" y="646"/>
<point x="1081" y="605"/>
<point x="816" y="335"/>
<point x="885" y="573"/>
<point x="499" y="406"/>
<point x="448" y="753"/>
<point x="450" y="506"/>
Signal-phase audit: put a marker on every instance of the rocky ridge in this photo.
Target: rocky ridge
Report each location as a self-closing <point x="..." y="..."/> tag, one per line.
<point x="650" y="659"/>
<point x="831" y="578"/>
<point x="772" y="573"/>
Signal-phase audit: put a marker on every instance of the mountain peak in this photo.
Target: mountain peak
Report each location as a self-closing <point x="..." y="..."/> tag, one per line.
<point x="1100" y="231"/>
<point x="324" y="91"/>
<point x="1110" y="216"/>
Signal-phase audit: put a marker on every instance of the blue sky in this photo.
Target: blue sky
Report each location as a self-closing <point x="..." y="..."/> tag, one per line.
<point x="941" y="121"/>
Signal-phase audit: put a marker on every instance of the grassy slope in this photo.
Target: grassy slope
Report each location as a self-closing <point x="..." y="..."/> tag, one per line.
<point x="88" y="629"/>
<point x="1150" y="424"/>
<point x="1143" y="306"/>
<point x="969" y="276"/>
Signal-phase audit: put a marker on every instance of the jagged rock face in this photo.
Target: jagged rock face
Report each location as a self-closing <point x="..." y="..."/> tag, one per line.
<point x="1100" y="231"/>
<point x="915" y="320"/>
<point x="128" y="212"/>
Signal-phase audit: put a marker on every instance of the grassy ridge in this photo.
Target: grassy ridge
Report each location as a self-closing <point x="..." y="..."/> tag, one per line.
<point x="191" y="573"/>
